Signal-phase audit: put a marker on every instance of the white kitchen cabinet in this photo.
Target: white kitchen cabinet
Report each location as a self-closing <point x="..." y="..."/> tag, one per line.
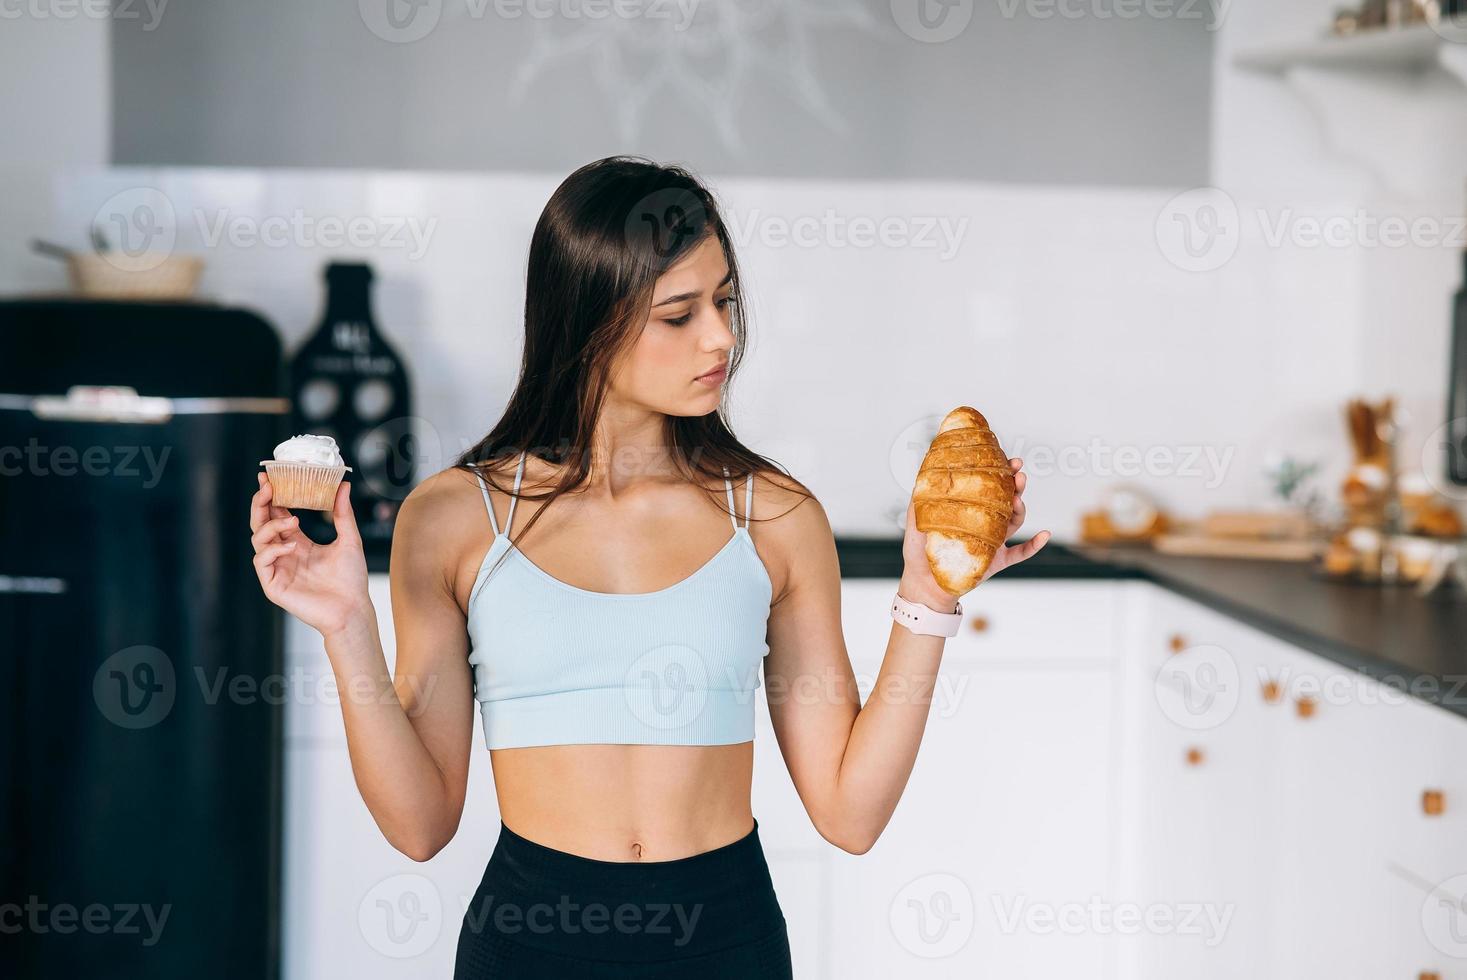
<point x="1303" y="813"/>
<point x="1198" y="819"/>
<point x="1005" y="821"/>
<point x="351" y="904"/>
<point x="1094" y="749"/>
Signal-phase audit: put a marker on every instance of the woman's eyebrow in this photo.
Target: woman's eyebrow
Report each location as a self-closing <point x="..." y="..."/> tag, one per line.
<point x="680" y="297"/>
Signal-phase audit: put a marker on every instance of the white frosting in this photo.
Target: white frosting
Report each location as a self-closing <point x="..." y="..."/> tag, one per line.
<point x="317" y="450"/>
<point x="1363" y="538"/>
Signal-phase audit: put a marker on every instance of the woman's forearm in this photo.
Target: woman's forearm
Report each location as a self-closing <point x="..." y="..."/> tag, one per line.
<point x="888" y="729"/>
<point x="397" y="776"/>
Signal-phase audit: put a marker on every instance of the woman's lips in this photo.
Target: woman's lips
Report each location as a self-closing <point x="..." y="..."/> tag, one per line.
<point x="714" y="378"/>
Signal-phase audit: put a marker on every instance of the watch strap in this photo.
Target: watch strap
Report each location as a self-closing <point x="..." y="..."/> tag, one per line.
<point x="923" y="619"/>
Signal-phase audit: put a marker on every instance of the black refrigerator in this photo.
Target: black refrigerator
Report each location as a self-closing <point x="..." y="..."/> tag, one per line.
<point x="141" y="711"/>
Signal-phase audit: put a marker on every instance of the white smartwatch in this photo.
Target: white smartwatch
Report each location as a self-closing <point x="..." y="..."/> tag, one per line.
<point x="924" y="620"/>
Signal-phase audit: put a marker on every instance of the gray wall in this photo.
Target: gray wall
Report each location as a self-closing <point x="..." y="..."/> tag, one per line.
<point x="781" y="88"/>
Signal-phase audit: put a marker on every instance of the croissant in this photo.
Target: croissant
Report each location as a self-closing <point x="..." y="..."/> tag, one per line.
<point x="963" y="499"/>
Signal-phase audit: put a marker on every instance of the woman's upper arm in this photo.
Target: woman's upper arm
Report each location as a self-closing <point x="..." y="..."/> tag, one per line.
<point x="809" y="683"/>
<point x="432" y="674"/>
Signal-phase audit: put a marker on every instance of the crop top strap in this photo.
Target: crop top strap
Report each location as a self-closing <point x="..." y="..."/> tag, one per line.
<point x="488" y="504"/>
<point x="728" y="487"/>
<point x="748" y="499"/>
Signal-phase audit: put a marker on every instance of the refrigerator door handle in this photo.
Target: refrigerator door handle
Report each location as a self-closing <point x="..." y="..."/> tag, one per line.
<point x="33" y="584"/>
<point x="121" y="403"/>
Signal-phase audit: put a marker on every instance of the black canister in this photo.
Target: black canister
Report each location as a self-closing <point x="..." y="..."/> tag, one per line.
<point x="348" y="382"/>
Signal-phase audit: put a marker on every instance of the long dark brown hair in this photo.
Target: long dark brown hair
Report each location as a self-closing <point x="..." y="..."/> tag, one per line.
<point x="606" y="234"/>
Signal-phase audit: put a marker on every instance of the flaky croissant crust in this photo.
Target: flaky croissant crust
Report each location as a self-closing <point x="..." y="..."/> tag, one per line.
<point x="963" y="499"/>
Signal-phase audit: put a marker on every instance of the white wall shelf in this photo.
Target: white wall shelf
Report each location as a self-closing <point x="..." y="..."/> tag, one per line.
<point x="1409" y="49"/>
<point x="1393" y="102"/>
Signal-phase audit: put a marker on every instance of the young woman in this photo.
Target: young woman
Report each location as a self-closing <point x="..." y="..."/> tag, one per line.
<point x="615" y="662"/>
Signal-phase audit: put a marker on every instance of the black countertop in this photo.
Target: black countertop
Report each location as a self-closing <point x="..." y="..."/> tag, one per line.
<point x="1414" y="643"/>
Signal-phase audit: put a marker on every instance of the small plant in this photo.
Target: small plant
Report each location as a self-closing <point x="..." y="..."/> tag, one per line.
<point x="1290" y="479"/>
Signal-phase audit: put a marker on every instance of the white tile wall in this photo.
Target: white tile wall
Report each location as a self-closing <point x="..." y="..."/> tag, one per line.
<point x="1053" y="311"/>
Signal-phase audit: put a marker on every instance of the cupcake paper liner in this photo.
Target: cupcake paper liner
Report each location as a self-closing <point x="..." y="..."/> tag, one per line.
<point x="305" y="486"/>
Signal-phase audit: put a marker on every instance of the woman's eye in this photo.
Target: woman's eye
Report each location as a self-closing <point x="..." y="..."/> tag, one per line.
<point x="679" y="321"/>
<point x="726" y="301"/>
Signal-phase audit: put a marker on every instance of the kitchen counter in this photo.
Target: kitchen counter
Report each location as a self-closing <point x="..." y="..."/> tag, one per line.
<point x="1414" y="643"/>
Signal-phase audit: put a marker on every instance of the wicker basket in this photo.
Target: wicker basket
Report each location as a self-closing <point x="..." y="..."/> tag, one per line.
<point x="146" y="276"/>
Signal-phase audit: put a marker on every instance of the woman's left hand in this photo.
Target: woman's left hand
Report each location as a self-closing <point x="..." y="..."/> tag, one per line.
<point x="918" y="583"/>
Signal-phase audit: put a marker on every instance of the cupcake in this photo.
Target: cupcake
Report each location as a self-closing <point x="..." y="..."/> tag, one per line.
<point x="305" y="472"/>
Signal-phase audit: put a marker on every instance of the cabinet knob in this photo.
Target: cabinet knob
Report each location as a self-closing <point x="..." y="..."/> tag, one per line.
<point x="1176" y="643"/>
<point x="978" y="624"/>
<point x="1272" y="692"/>
<point x="1433" y="802"/>
<point x="1195" y="756"/>
<point x="1304" y="707"/>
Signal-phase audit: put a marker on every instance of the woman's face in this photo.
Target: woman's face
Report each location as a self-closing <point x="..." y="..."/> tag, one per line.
<point x="686" y="335"/>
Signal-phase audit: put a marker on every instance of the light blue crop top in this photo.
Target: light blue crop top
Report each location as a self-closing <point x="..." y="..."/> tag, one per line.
<point x="555" y="664"/>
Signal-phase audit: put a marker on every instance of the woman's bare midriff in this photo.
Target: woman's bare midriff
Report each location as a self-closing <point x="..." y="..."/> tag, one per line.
<point x="627" y="802"/>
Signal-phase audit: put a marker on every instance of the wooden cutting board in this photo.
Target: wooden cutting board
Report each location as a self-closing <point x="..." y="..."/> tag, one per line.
<point x="1203" y="545"/>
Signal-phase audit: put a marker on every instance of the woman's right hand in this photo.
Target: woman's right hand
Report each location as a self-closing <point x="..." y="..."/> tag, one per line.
<point x="324" y="586"/>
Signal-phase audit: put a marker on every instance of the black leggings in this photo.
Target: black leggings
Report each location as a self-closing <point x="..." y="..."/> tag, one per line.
<point x="540" y="912"/>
